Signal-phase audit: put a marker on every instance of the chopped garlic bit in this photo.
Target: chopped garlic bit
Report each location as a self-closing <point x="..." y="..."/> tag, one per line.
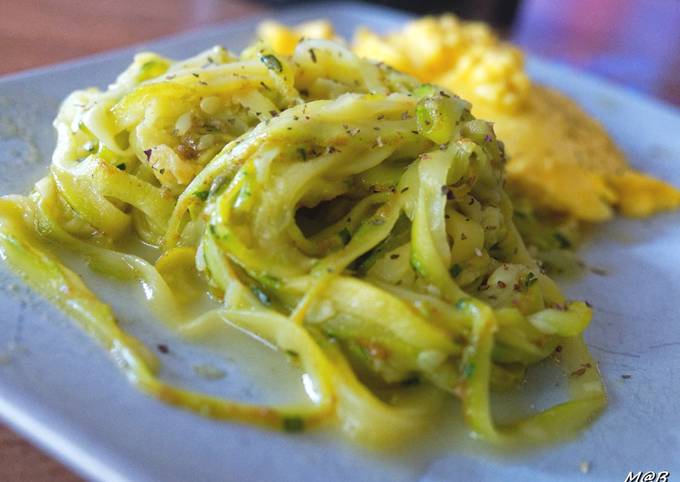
<point x="211" y="105"/>
<point x="183" y="123"/>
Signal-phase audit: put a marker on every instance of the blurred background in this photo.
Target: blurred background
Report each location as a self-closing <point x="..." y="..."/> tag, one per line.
<point x="633" y="42"/>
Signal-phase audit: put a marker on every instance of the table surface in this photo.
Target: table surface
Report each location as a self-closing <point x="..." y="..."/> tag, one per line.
<point x="640" y="47"/>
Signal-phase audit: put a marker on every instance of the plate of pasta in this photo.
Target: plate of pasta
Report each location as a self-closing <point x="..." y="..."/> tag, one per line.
<point x="368" y="247"/>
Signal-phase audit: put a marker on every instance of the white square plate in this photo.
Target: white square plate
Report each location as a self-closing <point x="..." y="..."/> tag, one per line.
<point x="60" y="389"/>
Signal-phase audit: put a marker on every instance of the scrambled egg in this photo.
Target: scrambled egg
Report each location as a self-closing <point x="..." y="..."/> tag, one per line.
<point x="283" y="40"/>
<point x="561" y="159"/>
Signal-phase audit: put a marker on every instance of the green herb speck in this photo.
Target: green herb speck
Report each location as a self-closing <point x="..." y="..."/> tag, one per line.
<point x="529" y="280"/>
<point x="293" y="424"/>
<point x="345" y="236"/>
<point x="202" y="195"/>
<point x="461" y="303"/>
<point x="564" y="242"/>
<point x="417" y="266"/>
<point x="468" y="370"/>
<point x="272" y="63"/>
<point x="261" y="295"/>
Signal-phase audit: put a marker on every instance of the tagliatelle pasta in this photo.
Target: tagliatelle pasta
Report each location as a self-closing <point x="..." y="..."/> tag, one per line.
<point x="339" y="210"/>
